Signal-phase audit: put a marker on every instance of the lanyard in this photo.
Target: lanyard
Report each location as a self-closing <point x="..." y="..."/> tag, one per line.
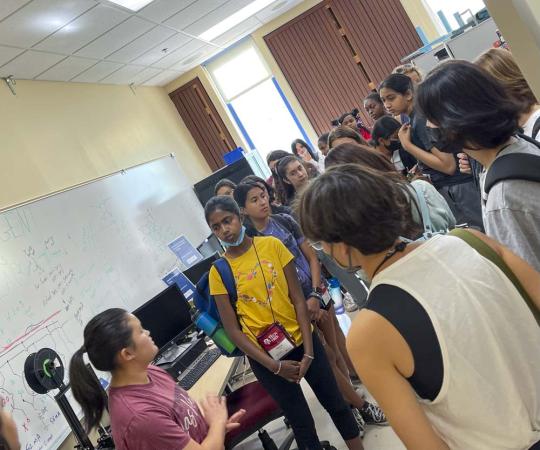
<point x="399" y="247"/>
<point x="268" y="297"/>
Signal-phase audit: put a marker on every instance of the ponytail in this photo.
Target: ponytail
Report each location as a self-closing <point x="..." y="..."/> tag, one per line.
<point x="104" y="337"/>
<point x="86" y="390"/>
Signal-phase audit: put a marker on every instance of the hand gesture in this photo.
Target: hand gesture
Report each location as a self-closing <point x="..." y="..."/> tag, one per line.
<point x="313" y="307"/>
<point x="214" y="409"/>
<point x="290" y="370"/>
<point x="464" y="163"/>
<point x="404" y="135"/>
<point x="304" y="366"/>
<point x="234" y="421"/>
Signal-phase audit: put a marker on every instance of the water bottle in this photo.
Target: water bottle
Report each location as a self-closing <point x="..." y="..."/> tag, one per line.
<point x="337" y="296"/>
<point x="214" y="331"/>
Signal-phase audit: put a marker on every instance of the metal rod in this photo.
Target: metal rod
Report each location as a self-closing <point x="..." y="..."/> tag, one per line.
<point x="84" y="183"/>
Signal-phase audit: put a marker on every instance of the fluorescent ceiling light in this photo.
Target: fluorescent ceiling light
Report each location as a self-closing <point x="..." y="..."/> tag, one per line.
<point x="134" y="5"/>
<point x="238" y="17"/>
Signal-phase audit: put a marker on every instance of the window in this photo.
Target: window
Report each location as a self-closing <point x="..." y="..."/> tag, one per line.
<point x="255" y="99"/>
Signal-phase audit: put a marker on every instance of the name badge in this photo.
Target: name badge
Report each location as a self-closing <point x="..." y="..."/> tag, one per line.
<point x="276" y="341"/>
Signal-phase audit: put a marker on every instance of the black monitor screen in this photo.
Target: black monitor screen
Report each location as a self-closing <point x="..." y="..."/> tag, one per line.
<point x="166" y="316"/>
<point x="235" y="172"/>
<point x="195" y="272"/>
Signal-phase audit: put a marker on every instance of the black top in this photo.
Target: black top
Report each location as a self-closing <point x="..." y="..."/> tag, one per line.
<point x="413" y="323"/>
<point x="421" y="138"/>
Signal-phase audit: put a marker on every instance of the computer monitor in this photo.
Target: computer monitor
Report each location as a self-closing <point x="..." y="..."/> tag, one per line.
<point x="195" y="272"/>
<point x="167" y="317"/>
<point x="210" y="246"/>
<point x="235" y="172"/>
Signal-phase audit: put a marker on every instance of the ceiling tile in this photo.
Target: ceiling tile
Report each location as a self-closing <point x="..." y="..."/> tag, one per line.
<point x="141" y="45"/>
<point x="159" y="10"/>
<point x="216" y="16"/>
<point x="67" y="69"/>
<point x="276" y="9"/>
<point x="8" y="7"/>
<point x="30" y="64"/>
<point x="163" y="78"/>
<point x="40" y="18"/>
<point x="192" y="59"/>
<point x="8" y="53"/>
<point x="124" y="75"/>
<point x="238" y="32"/>
<point x="180" y="54"/>
<point x="83" y="30"/>
<point x="116" y="38"/>
<point x="157" y="53"/>
<point x="146" y="74"/>
<point x="193" y="13"/>
<point x="97" y="72"/>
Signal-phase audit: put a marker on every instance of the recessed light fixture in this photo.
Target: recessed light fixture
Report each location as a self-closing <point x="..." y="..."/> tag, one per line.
<point x="134" y="5"/>
<point x="238" y="17"/>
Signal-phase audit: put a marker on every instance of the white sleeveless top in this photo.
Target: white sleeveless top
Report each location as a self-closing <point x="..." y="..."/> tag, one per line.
<point x="490" y="344"/>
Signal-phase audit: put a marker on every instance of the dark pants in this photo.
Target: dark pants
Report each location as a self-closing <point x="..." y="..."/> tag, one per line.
<point x="290" y="398"/>
<point x="464" y="201"/>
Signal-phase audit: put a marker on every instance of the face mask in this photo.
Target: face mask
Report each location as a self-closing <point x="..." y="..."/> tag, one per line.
<point x="443" y="144"/>
<point x="238" y="241"/>
<point x="393" y="146"/>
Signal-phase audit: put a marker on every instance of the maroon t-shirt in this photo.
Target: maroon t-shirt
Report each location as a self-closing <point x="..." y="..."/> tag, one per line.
<point x="155" y="416"/>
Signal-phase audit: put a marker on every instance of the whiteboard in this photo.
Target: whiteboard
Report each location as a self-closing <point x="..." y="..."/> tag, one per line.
<point x="67" y="257"/>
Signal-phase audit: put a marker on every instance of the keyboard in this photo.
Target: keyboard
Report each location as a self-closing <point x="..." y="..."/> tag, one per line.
<point x="197" y="369"/>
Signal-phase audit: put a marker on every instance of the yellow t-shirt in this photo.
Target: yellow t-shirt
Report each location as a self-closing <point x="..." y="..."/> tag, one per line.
<point x="253" y="308"/>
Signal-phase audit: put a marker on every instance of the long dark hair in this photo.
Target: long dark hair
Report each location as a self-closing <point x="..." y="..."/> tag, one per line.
<point x="104" y="337"/>
<point x="372" y="212"/>
<point x="383" y="128"/>
<point x="397" y="82"/>
<point x="344" y="132"/>
<point x="470" y="107"/>
<point x="313" y="154"/>
<point x="223" y="203"/>
<point x="285" y="191"/>
<point x="258" y="180"/>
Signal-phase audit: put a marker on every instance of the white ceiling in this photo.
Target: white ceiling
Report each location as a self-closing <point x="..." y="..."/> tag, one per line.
<point x="94" y="41"/>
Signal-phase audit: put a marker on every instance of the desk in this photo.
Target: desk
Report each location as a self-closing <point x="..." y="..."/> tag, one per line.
<point x="215" y="379"/>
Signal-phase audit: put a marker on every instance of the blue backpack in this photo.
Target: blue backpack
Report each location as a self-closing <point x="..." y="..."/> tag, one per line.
<point x="206" y="303"/>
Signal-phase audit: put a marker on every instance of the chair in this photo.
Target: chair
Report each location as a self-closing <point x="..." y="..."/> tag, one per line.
<point x="259" y="413"/>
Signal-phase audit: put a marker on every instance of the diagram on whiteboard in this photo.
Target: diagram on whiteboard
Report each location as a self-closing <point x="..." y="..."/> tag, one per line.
<point x="66" y="258"/>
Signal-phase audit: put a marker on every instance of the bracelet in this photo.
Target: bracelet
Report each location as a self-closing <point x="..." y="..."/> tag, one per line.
<point x="279" y="369"/>
<point x="316" y="295"/>
<point x="309" y="356"/>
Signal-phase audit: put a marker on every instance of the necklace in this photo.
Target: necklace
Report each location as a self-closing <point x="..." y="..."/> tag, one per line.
<point x="399" y="247"/>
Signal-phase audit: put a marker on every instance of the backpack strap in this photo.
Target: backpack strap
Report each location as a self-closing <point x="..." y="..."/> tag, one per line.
<point x="225" y="272"/>
<point x="515" y="166"/>
<point x="284" y="222"/>
<point x="536" y="128"/>
<point x="487" y="252"/>
<point x="424" y="210"/>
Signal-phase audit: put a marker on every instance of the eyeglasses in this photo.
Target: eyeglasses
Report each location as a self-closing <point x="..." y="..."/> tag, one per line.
<point x="404" y="68"/>
<point x="317" y="245"/>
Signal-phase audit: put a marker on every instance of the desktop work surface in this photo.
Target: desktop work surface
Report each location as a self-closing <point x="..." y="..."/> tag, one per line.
<point x="215" y="380"/>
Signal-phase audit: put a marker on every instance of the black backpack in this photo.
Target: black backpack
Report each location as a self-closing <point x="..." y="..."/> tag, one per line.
<point x="516" y="166"/>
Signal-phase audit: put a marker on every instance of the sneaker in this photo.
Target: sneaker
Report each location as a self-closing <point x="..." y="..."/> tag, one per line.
<point x="360" y="421"/>
<point x="373" y="415"/>
<point x="349" y="303"/>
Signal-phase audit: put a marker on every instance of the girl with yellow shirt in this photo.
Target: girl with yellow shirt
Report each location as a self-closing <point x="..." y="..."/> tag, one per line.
<point x="270" y="324"/>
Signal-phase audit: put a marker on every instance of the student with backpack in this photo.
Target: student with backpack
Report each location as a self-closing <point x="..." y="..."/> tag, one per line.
<point x="449" y="340"/>
<point x="460" y="192"/>
<point x="470" y="110"/>
<point x="253" y="203"/>
<point x="269" y="322"/>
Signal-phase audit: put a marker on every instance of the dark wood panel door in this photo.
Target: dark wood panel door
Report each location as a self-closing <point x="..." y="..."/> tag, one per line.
<point x="337" y="52"/>
<point x="203" y="122"/>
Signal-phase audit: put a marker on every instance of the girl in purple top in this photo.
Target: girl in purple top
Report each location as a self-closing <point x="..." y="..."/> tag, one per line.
<point x="148" y="409"/>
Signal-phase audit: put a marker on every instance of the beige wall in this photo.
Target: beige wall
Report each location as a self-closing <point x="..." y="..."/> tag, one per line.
<point x="56" y="135"/>
<point x="422" y="17"/>
<point x="519" y="22"/>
